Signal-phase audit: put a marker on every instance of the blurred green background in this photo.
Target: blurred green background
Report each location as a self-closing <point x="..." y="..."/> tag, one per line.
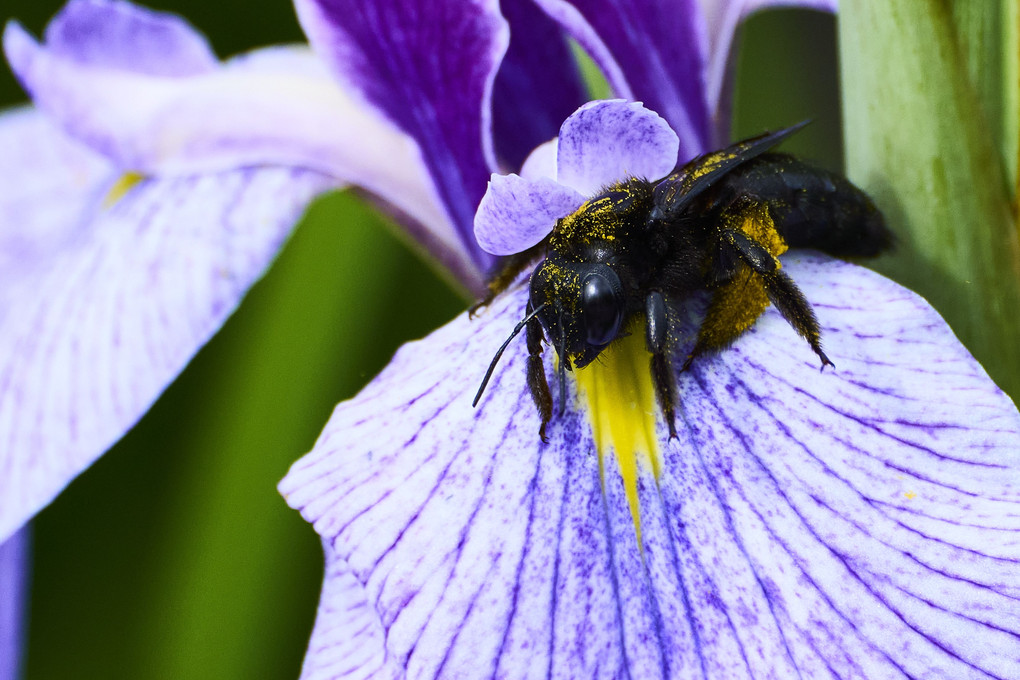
<point x="173" y="556"/>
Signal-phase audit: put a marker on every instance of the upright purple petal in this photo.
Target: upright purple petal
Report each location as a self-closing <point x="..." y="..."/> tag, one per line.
<point x="862" y="522"/>
<point x="537" y="86"/>
<point x="133" y="281"/>
<point x="431" y="70"/>
<point x="652" y="51"/>
<point x="14" y="558"/>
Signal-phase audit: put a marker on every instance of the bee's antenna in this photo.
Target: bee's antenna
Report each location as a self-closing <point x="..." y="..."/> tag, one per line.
<point x="499" y="353"/>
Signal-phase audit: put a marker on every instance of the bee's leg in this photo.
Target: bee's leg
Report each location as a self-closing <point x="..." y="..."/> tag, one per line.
<point x="513" y="265"/>
<point x="734" y="308"/>
<point x="781" y="290"/>
<point x="537" y="383"/>
<point x="657" y="340"/>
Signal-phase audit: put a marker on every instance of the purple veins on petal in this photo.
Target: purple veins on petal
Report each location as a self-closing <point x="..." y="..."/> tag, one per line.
<point x="517" y="213"/>
<point x="127" y="304"/>
<point x="790" y="532"/>
<point x="605" y="141"/>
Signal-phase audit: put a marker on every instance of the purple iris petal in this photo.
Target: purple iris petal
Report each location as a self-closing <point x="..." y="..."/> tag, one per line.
<point x="537" y="86"/>
<point x="35" y="227"/>
<point x="278" y="106"/>
<point x="541" y="162"/>
<point x="653" y="51"/>
<point x="604" y="141"/>
<point x="13" y="599"/>
<point x="431" y="70"/>
<point x="127" y="295"/>
<point x="517" y="213"/>
<point x="859" y="522"/>
<point x="595" y="143"/>
<point x="115" y="34"/>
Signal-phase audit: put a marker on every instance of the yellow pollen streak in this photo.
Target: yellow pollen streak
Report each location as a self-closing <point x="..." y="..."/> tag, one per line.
<point x="618" y="391"/>
<point x="121" y="187"/>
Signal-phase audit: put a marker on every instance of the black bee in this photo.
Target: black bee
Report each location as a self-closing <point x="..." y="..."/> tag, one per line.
<point x="638" y="248"/>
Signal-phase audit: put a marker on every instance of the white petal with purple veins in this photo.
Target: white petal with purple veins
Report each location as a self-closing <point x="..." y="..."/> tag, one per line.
<point x="120" y="312"/>
<point x="529" y="208"/>
<point x="605" y="141"/>
<point x="861" y="522"/>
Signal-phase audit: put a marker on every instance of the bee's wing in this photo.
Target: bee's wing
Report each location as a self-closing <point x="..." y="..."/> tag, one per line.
<point x="676" y="192"/>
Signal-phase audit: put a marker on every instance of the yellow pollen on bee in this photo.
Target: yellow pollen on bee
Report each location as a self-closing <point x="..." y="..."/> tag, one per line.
<point x="120" y="188"/>
<point x="757" y="223"/>
<point x="617" y="390"/>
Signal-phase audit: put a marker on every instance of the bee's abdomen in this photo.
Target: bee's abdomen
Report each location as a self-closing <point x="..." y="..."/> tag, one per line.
<point x="814" y="208"/>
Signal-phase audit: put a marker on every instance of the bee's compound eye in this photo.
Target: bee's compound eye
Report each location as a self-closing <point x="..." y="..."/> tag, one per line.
<point x="602" y="306"/>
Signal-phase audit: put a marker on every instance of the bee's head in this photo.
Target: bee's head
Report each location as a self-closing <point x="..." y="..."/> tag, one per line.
<point x="584" y="307"/>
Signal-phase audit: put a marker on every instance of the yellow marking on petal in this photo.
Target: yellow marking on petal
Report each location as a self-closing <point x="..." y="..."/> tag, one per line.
<point x="121" y="187"/>
<point x="910" y="495"/>
<point x="620" y="398"/>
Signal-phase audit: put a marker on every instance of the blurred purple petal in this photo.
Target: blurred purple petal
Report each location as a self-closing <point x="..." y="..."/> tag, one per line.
<point x="517" y="213"/>
<point x="114" y="34"/>
<point x="537" y="86"/>
<point x="863" y="522"/>
<point x="121" y="309"/>
<point x="722" y="19"/>
<point x="606" y="139"/>
<point x="278" y="106"/>
<point x="652" y="51"/>
<point x="51" y="183"/>
<point x="431" y="70"/>
<point x="14" y="562"/>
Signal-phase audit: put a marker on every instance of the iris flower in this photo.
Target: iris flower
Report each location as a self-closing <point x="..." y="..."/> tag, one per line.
<point x="856" y="523"/>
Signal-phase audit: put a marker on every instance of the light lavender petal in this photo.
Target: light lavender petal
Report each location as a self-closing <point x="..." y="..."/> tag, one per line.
<point x="115" y="34"/>
<point x="121" y="310"/>
<point x="862" y="522"/>
<point x="430" y="70"/>
<point x="277" y="106"/>
<point x="14" y="563"/>
<point x="51" y="182"/>
<point x="605" y="141"/>
<point x="517" y="213"/>
<point x="541" y="162"/>
<point x="651" y="51"/>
